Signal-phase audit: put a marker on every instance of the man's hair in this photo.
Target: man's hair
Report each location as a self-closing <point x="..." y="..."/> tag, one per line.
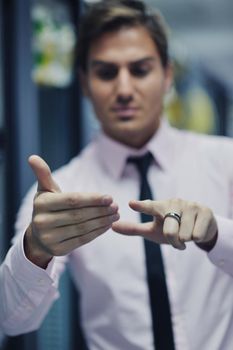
<point x="111" y="15"/>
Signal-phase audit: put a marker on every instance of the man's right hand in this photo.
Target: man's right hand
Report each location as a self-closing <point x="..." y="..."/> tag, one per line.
<point x="62" y="222"/>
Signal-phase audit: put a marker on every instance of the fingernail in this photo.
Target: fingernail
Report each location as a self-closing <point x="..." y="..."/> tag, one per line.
<point x="106" y="200"/>
<point x="113" y="207"/>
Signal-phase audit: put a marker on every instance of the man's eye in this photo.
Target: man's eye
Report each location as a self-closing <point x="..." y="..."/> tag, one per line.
<point x="107" y="73"/>
<point x="140" y="71"/>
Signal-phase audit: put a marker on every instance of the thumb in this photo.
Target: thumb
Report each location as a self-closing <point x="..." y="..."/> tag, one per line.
<point x="43" y="174"/>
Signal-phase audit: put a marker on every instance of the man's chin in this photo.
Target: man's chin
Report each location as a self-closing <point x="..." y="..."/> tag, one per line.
<point x="131" y="137"/>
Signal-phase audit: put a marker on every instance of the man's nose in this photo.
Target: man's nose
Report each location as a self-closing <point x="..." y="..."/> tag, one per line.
<point x="124" y="86"/>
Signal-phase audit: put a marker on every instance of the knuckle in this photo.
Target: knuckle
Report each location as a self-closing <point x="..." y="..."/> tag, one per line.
<point x="197" y="235"/>
<point x="207" y="212"/>
<point x="193" y="206"/>
<point x="46" y="239"/>
<point x="182" y="237"/>
<point x="176" y="202"/>
<point x="169" y="235"/>
<point x="38" y="204"/>
<point x="38" y="222"/>
<point x="72" y="200"/>
<point x="40" y="201"/>
<point x="77" y="215"/>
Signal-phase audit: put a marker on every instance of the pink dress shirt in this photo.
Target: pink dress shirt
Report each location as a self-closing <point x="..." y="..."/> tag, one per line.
<point x="110" y="271"/>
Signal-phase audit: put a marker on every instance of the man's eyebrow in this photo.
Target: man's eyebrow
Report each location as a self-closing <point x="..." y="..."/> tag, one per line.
<point x="143" y="60"/>
<point x="95" y="63"/>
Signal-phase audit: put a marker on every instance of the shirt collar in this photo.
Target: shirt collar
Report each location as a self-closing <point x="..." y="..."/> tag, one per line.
<point x="113" y="155"/>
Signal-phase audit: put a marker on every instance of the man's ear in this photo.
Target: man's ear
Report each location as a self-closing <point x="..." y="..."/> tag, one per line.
<point x="169" y="73"/>
<point x="83" y="82"/>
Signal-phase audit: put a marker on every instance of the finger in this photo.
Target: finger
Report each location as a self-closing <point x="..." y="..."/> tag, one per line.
<point x="205" y="226"/>
<point x="43" y="174"/>
<point x="148" y="230"/>
<point x="154" y="208"/>
<point x="171" y="233"/>
<point x="133" y="229"/>
<point x="71" y="200"/>
<point x="61" y="234"/>
<point x="187" y="225"/>
<point x="69" y="245"/>
<point x="72" y="216"/>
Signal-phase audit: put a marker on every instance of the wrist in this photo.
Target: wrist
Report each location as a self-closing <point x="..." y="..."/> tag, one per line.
<point x="34" y="252"/>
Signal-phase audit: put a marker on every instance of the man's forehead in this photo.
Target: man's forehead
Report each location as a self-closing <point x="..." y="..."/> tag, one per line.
<point x="135" y="43"/>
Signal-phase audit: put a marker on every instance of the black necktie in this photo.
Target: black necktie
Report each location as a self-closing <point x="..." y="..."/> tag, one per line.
<point x="160" y="307"/>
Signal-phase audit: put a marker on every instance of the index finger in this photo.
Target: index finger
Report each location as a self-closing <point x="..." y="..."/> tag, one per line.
<point x="71" y="200"/>
<point x="154" y="208"/>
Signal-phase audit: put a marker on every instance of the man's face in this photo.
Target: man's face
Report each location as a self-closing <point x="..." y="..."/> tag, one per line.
<point x="126" y="83"/>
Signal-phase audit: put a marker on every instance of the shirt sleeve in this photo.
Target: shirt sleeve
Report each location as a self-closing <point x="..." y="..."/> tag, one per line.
<point x="26" y="290"/>
<point x="222" y="253"/>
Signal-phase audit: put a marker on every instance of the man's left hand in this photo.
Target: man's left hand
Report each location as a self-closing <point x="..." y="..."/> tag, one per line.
<point x="197" y="223"/>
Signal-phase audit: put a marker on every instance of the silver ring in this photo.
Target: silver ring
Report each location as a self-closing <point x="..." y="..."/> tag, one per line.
<point x="173" y="215"/>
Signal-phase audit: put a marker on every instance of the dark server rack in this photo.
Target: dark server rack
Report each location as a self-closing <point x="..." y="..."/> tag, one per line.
<point x="32" y="119"/>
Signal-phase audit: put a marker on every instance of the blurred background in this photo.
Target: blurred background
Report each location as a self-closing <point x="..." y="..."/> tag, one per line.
<point x="42" y="110"/>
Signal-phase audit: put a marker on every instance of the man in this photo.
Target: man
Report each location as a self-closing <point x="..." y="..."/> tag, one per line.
<point x="125" y="72"/>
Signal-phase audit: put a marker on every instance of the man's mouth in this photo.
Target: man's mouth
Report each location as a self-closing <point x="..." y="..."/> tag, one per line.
<point x="125" y="112"/>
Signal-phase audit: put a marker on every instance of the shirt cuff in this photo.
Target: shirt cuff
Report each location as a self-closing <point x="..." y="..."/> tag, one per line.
<point x="222" y="253"/>
<point x="31" y="278"/>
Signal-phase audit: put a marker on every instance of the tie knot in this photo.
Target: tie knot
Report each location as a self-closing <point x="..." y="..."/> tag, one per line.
<point x="142" y="163"/>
